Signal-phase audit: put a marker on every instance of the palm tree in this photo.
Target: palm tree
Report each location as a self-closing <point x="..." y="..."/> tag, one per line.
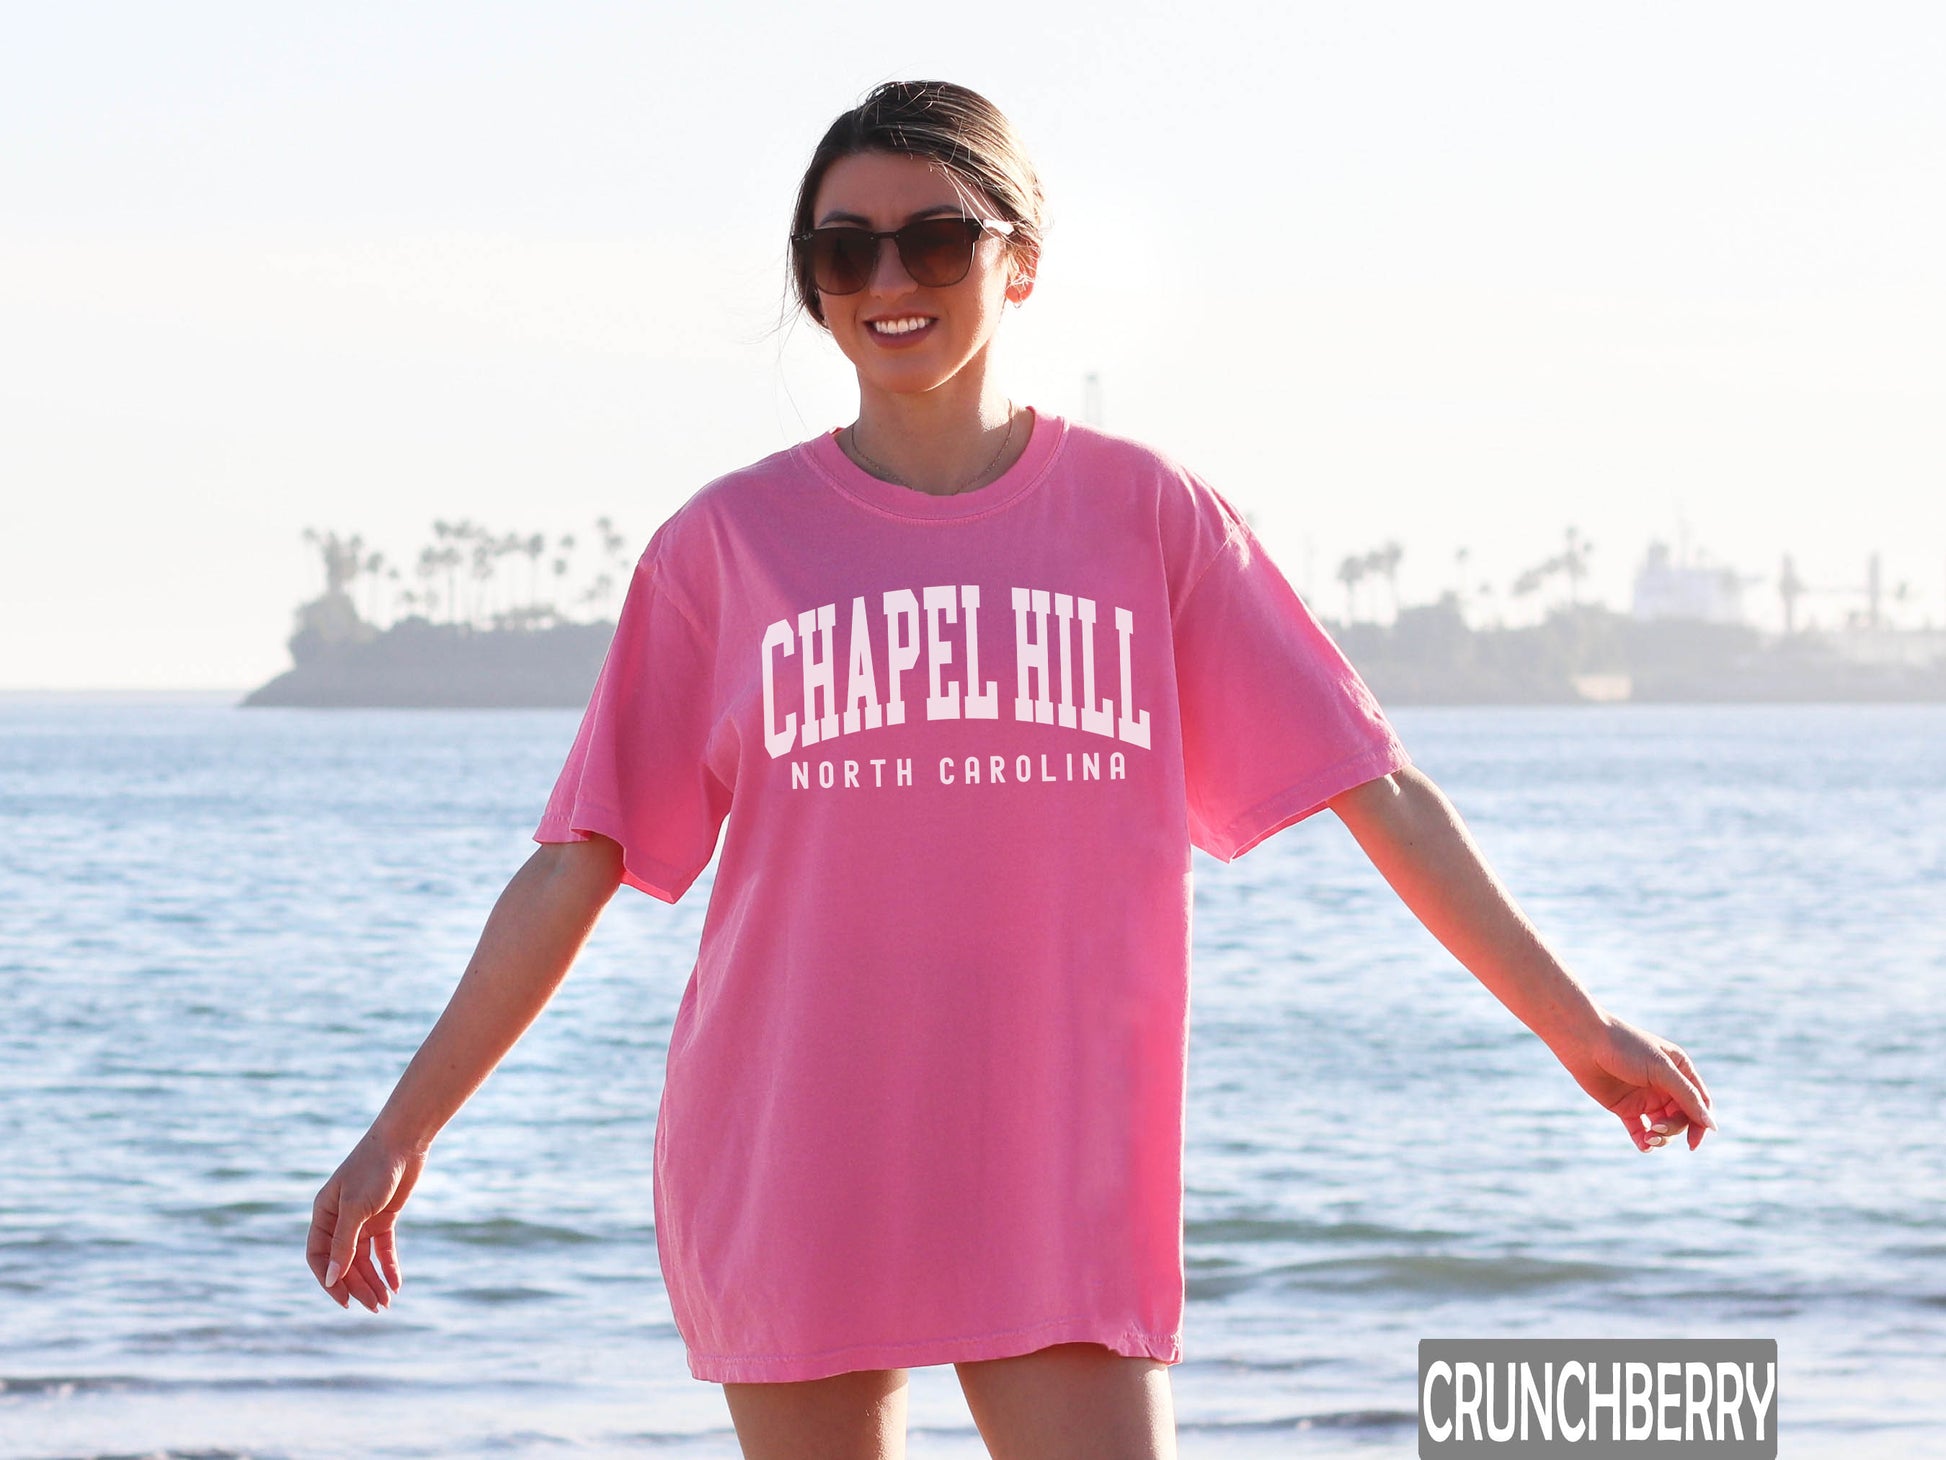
<point x="371" y="567"/>
<point x="614" y="544"/>
<point x="1350" y="572"/>
<point x="483" y="555"/>
<point x="341" y="558"/>
<point x="428" y="565"/>
<point x="1385" y="560"/>
<point x="511" y="545"/>
<point x="533" y="546"/>
<point x="597" y="591"/>
<point x="449" y="558"/>
<point x="1533" y="577"/>
<point x="1574" y="562"/>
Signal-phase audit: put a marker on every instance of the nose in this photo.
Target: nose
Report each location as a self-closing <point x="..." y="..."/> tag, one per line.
<point x="888" y="270"/>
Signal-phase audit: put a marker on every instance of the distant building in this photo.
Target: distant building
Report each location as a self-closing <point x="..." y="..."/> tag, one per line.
<point x="1665" y="588"/>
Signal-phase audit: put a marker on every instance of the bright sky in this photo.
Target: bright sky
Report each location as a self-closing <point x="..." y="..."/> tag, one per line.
<point x="1460" y="276"/>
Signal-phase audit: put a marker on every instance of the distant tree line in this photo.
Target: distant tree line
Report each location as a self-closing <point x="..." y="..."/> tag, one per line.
<point x="1570" y="564"/>
<point x="459" y="577"/>
<point x="469" y="574"/>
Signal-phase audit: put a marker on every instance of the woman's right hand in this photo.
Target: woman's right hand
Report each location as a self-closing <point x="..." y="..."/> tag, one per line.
<point x="531" y="937"/>
<point x="354" y="1223"/>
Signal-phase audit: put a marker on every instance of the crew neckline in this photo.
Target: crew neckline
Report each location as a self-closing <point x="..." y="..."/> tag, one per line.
<point x="1044" y="438"/>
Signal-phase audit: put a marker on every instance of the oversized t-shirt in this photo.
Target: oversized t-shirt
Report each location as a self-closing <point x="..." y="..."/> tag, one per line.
<point x="925" y="1087"/>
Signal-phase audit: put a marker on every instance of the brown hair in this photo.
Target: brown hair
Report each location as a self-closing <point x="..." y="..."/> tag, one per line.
<point x="958" y="129"/>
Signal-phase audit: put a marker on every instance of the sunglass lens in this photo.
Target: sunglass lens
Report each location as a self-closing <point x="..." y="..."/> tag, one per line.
<point x="938" y="251"/>
<point x="841" y="259"/>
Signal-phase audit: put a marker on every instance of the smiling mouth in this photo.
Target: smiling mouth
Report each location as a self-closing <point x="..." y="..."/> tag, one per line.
<point x="904" y="324"/>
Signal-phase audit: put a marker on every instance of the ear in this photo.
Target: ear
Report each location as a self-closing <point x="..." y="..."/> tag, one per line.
<point x="1022" y="283"/>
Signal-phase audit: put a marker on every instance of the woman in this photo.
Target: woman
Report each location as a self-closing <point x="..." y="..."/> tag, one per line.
<point x="975" y="680"/>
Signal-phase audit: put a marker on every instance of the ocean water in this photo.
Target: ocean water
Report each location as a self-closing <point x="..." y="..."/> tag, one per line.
<point x="223" y="933"/>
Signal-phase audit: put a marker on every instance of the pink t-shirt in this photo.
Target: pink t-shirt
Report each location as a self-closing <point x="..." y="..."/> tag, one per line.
<point x="925" y="1088"/>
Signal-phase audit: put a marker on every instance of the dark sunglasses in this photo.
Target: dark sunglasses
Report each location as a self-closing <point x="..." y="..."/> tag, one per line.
<point x="936" y="252"/>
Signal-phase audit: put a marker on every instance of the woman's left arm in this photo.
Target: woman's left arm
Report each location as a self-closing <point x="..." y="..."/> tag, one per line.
<point x="1420" y="846"/>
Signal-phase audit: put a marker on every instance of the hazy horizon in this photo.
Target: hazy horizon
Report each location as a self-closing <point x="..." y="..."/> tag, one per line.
<point x="1450" y="279"/>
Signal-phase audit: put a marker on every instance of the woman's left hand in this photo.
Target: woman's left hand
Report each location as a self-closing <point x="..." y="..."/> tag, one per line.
<point x="1636" y="1074"/>
<point x="1416" y="839"/>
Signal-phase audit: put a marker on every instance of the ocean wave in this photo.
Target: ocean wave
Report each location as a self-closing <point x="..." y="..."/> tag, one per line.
<point x="1289" y="1229"/>
<point x="1441" y="1273"/>
<point x="510" y="1294"/>
<point x="62" y="1386"/>
<point x="1372" y="1420"/>
<point x="508" y="1232"/>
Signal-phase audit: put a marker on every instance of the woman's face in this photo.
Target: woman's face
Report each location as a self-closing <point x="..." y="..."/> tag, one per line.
<point x="940" y="329"/>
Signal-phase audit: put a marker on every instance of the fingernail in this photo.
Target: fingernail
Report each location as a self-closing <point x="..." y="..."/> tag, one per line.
<point x="1661" y="1128"/>
<point x="1656" y="1140"/>
<point x="331" y="1274"/>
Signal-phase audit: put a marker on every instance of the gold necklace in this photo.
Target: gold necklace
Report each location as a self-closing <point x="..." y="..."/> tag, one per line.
<point x="880" y="470"/>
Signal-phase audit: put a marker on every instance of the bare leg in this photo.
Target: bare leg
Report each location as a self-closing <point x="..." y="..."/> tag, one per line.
<point x="855" y="1416"/>
<point x="1073" y="1401"/>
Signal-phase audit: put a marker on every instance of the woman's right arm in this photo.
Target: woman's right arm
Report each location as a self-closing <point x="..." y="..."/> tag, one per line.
<point x="536" y="928"/>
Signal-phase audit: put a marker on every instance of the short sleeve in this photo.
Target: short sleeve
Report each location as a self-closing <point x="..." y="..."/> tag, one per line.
<point x="638" y="770"/>
<point x="1275" y="721"/>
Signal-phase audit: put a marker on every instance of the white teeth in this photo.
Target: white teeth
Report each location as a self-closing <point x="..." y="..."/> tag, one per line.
<point x="899" y="326"/>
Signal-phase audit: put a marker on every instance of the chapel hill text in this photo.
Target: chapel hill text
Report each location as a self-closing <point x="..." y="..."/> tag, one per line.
<point x="1048" y="627"/>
